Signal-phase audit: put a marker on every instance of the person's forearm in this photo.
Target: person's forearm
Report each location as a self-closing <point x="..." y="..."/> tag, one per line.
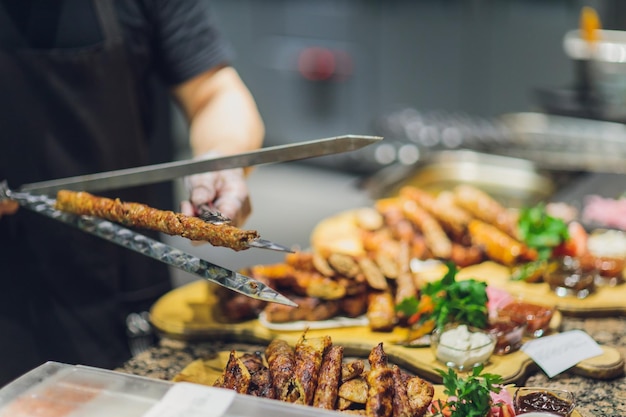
<point x="222" y="113"/>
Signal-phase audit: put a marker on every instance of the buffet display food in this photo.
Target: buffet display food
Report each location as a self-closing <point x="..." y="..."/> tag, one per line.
<point x="373" y="260"/>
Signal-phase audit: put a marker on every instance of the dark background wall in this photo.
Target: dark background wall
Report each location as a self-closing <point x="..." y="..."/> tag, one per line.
<point x="483" y="57"/>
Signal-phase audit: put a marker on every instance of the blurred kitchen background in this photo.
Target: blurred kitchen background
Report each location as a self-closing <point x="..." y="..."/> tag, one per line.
<point x="428" y="75"/>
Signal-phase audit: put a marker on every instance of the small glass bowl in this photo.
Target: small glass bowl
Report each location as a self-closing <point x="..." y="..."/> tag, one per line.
<point x="536" y="316"/>
<point x="550" y="402"/>
<point x="607" y="250"/>
<point x="509" y="335"/>
<point x="462" y="347"/>
<point x="610" y="271"/>
<point x="568" y="277"/>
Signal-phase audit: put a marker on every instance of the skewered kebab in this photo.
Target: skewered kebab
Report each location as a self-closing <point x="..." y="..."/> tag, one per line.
<point x="165" y="221"/>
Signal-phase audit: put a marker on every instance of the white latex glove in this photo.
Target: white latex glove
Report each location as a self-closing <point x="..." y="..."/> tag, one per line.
<point x="225" y="191"/>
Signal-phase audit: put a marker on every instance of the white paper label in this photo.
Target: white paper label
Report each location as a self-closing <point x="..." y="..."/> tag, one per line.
<point x="557" y="353"/>
<point x="192" y="400"/>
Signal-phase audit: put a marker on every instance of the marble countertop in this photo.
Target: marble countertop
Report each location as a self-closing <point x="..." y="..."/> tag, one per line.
<point x="595" y="398"/>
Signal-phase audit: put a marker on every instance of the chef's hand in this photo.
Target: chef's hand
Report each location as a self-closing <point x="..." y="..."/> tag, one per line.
<point x="8" y="207"/>
<point x="225" y="191"/>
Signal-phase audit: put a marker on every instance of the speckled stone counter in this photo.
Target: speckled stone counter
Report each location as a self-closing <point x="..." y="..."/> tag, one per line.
<point x="596" y="398"/>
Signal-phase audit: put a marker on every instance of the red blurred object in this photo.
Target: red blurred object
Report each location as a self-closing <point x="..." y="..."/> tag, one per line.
<point x="322" y="64"/>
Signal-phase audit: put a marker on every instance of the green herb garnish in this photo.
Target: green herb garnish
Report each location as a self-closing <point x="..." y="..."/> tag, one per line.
<point x="471" y="395"/>
<point x="463" y="302"/>
<point x="541" y="231"/>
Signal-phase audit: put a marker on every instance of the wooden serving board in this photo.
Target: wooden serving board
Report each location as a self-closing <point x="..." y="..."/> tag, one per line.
<point x="207" y="371"/>
<point x="340" y="233"/>
<point x="190" y="312"/>
<point x="604" y="302"/>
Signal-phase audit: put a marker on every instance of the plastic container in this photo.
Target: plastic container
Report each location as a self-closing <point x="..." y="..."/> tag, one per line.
<point x="80" y="391"/>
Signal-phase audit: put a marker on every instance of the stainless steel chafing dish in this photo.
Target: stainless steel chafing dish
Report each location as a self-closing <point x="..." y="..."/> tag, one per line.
<point x="513" y="181"/>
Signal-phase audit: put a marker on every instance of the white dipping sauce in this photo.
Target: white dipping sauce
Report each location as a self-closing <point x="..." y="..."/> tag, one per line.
<point x="462" y="348"/>
<point x="610" y="243"/>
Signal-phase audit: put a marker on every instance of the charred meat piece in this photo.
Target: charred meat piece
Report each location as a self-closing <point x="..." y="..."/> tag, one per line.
<point x="309" y="353"/>
<point x="236" y="376"/>
<point x="378" y="357"/>
<point x="281" y="361"/>
<point x="401" y="403"/>
<point x="354" y="390"/>
<point x="351" y="370"/>
<point x="327" y="389"/>
<point x="420" y="394"/>
<point x="309" y="308"/>
<point x="381" y="311"/>
<point x="380" y="393"/>
<point x="260" y="378"/>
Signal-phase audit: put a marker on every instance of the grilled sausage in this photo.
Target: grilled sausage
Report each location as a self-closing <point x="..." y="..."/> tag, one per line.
<point x="309" y="354"/>
<point x="498" y="245"/>
<point x="451" y="217"/>
<point x="436" y="238"/>
<point x="482" y="206"/>
<point x="330" y="375"/>
<point x="281" y="362"/>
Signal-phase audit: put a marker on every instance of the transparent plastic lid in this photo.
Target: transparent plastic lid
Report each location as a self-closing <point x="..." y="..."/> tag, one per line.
<point x="60" y="390"/>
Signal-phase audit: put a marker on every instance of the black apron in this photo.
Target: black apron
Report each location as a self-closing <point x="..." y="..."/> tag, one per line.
<point x="64" y="294"/>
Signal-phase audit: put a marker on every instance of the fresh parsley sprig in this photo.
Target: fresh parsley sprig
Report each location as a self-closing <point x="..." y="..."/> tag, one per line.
<point x="541" y="231"/>
<point x="463" y="302"/>
<point x="470" y="396"/>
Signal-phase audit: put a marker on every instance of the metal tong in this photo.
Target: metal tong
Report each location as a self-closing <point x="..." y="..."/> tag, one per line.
<point x="137" y="242"/>
<point x="211" y="215"/>
<point x="31" y="196"/>
<point x="151" y="174"/>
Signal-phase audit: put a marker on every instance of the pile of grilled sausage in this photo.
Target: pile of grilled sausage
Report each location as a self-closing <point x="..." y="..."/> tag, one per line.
<point x="314" y="372"/>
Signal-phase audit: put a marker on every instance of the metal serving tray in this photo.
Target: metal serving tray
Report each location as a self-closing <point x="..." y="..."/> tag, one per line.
<point x="514" y="182"/>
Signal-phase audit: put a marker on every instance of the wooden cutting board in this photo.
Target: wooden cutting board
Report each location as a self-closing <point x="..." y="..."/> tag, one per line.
<point x="604" y="302"/>
<point x="340" y="233"/>
<point x="190" y="312"/>
<point x="207" y="371"/>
